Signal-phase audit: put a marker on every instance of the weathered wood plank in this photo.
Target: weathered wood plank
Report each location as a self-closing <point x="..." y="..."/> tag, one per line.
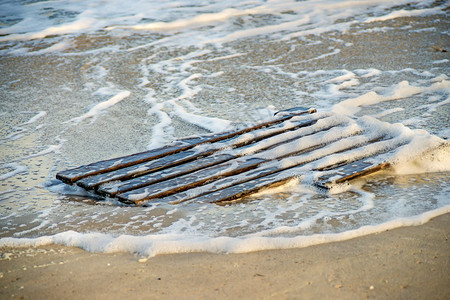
<point x="323" y="148"/>
<point x="72" y="175"/>
<point x="350" y="171"/>
<point x="180" y="158"/>
<point x="346" y="171"/>
<point x="246" y="188"/>
<point x="263" y="177"/>
<point x="110" y="190"/>
<point x="198" y="193"/>
<point x="188" y="181"/>
<point x="190" y="167"/>
<point x="181" y="183"/>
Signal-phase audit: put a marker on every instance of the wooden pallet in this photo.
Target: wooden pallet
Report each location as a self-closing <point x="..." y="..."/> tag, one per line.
<point x="320" y="148"/>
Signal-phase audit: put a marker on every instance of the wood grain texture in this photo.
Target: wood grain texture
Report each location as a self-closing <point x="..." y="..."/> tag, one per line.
<point x="225" y="167"/>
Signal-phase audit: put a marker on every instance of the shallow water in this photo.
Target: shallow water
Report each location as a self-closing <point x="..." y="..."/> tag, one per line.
<point x="87" y="81"/>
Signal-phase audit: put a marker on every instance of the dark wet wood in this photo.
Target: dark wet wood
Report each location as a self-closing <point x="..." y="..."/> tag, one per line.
<point x="215" y="172"/>
<point x="188" y="181"/>
<point x="261" y="178"/>
<point x="187" y="174"/>
<point x="72" y="175"/>
<point x="148" y="179"/>
<point x="182" y="161"/>
<point x="348" y="172"/>
<point x="212" y="173"/>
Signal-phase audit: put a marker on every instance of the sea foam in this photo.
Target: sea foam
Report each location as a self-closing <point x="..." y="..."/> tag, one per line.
<point x="88" y="80"/>
<point x="152" y="245"/>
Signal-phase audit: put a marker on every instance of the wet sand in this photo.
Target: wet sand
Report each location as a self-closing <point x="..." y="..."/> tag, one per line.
<point x="404" y="263"/>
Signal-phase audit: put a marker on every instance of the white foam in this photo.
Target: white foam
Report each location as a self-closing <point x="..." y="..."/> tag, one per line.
<point x="442" y="61"/>
<point x="369" y="72"/>
<point x="227" y="56"/>
<point x="162" y="132"/>
<point x="151" y="245"/>
<point x="334" y="52"/>
<point x="187" y="91"/>
<point x="198" y="20"/>
<point x="16" y="169"/>
<point x="74" y="27"/>
<point x="36" y="117"/>
<point x="407" y="13"/>
<point x="178" y="67"/>
<point x="99" y="108"/>
<point x="58" y="47"/>
<point x="400" y="91"/>
<point x="48" y="150"/>
<point x="208" y="123"/>
<point x="183" y="22"/>
<point x="388" y="112"/>
<point x="261" y="30"/>
<point x="418" y="158"/>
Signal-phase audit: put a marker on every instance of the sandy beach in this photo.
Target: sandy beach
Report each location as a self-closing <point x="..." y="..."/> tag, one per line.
<point x="96" y="92"/>
<point x="404" y="263"/>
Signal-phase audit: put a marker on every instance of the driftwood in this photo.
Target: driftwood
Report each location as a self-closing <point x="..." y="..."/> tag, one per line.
<point x="228" y="166"/>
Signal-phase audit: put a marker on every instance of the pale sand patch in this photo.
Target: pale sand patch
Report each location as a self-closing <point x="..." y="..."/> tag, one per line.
<point x="404" y="263"/>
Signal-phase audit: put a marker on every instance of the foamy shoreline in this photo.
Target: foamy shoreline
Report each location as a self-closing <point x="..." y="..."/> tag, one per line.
<point x="408" y="262"/>
<point x="158" y="244"/>
<point x="80" y="98"/>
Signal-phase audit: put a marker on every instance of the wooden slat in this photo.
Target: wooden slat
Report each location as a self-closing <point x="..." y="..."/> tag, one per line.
<point x="258" y="179"/>
<point x="197" y="178"/>
<point x="346" y="171"/>
<point x="199" y="193"/>
<point x="188" y="181"/>
<point x="110" y="190"/>
<point x="178" y="171"/>
<point x="355" y="169"/>
<point x="246" y="188"/>
<point x="177" y="159"/>
<point x="350" y="171"/>
<point x="72" y="175"/>
<point x="237" y="164"/>
<point x="137" y="170"/>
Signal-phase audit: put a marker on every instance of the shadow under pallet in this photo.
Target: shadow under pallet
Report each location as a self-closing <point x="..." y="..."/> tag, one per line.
<point x="321" y="148"/>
